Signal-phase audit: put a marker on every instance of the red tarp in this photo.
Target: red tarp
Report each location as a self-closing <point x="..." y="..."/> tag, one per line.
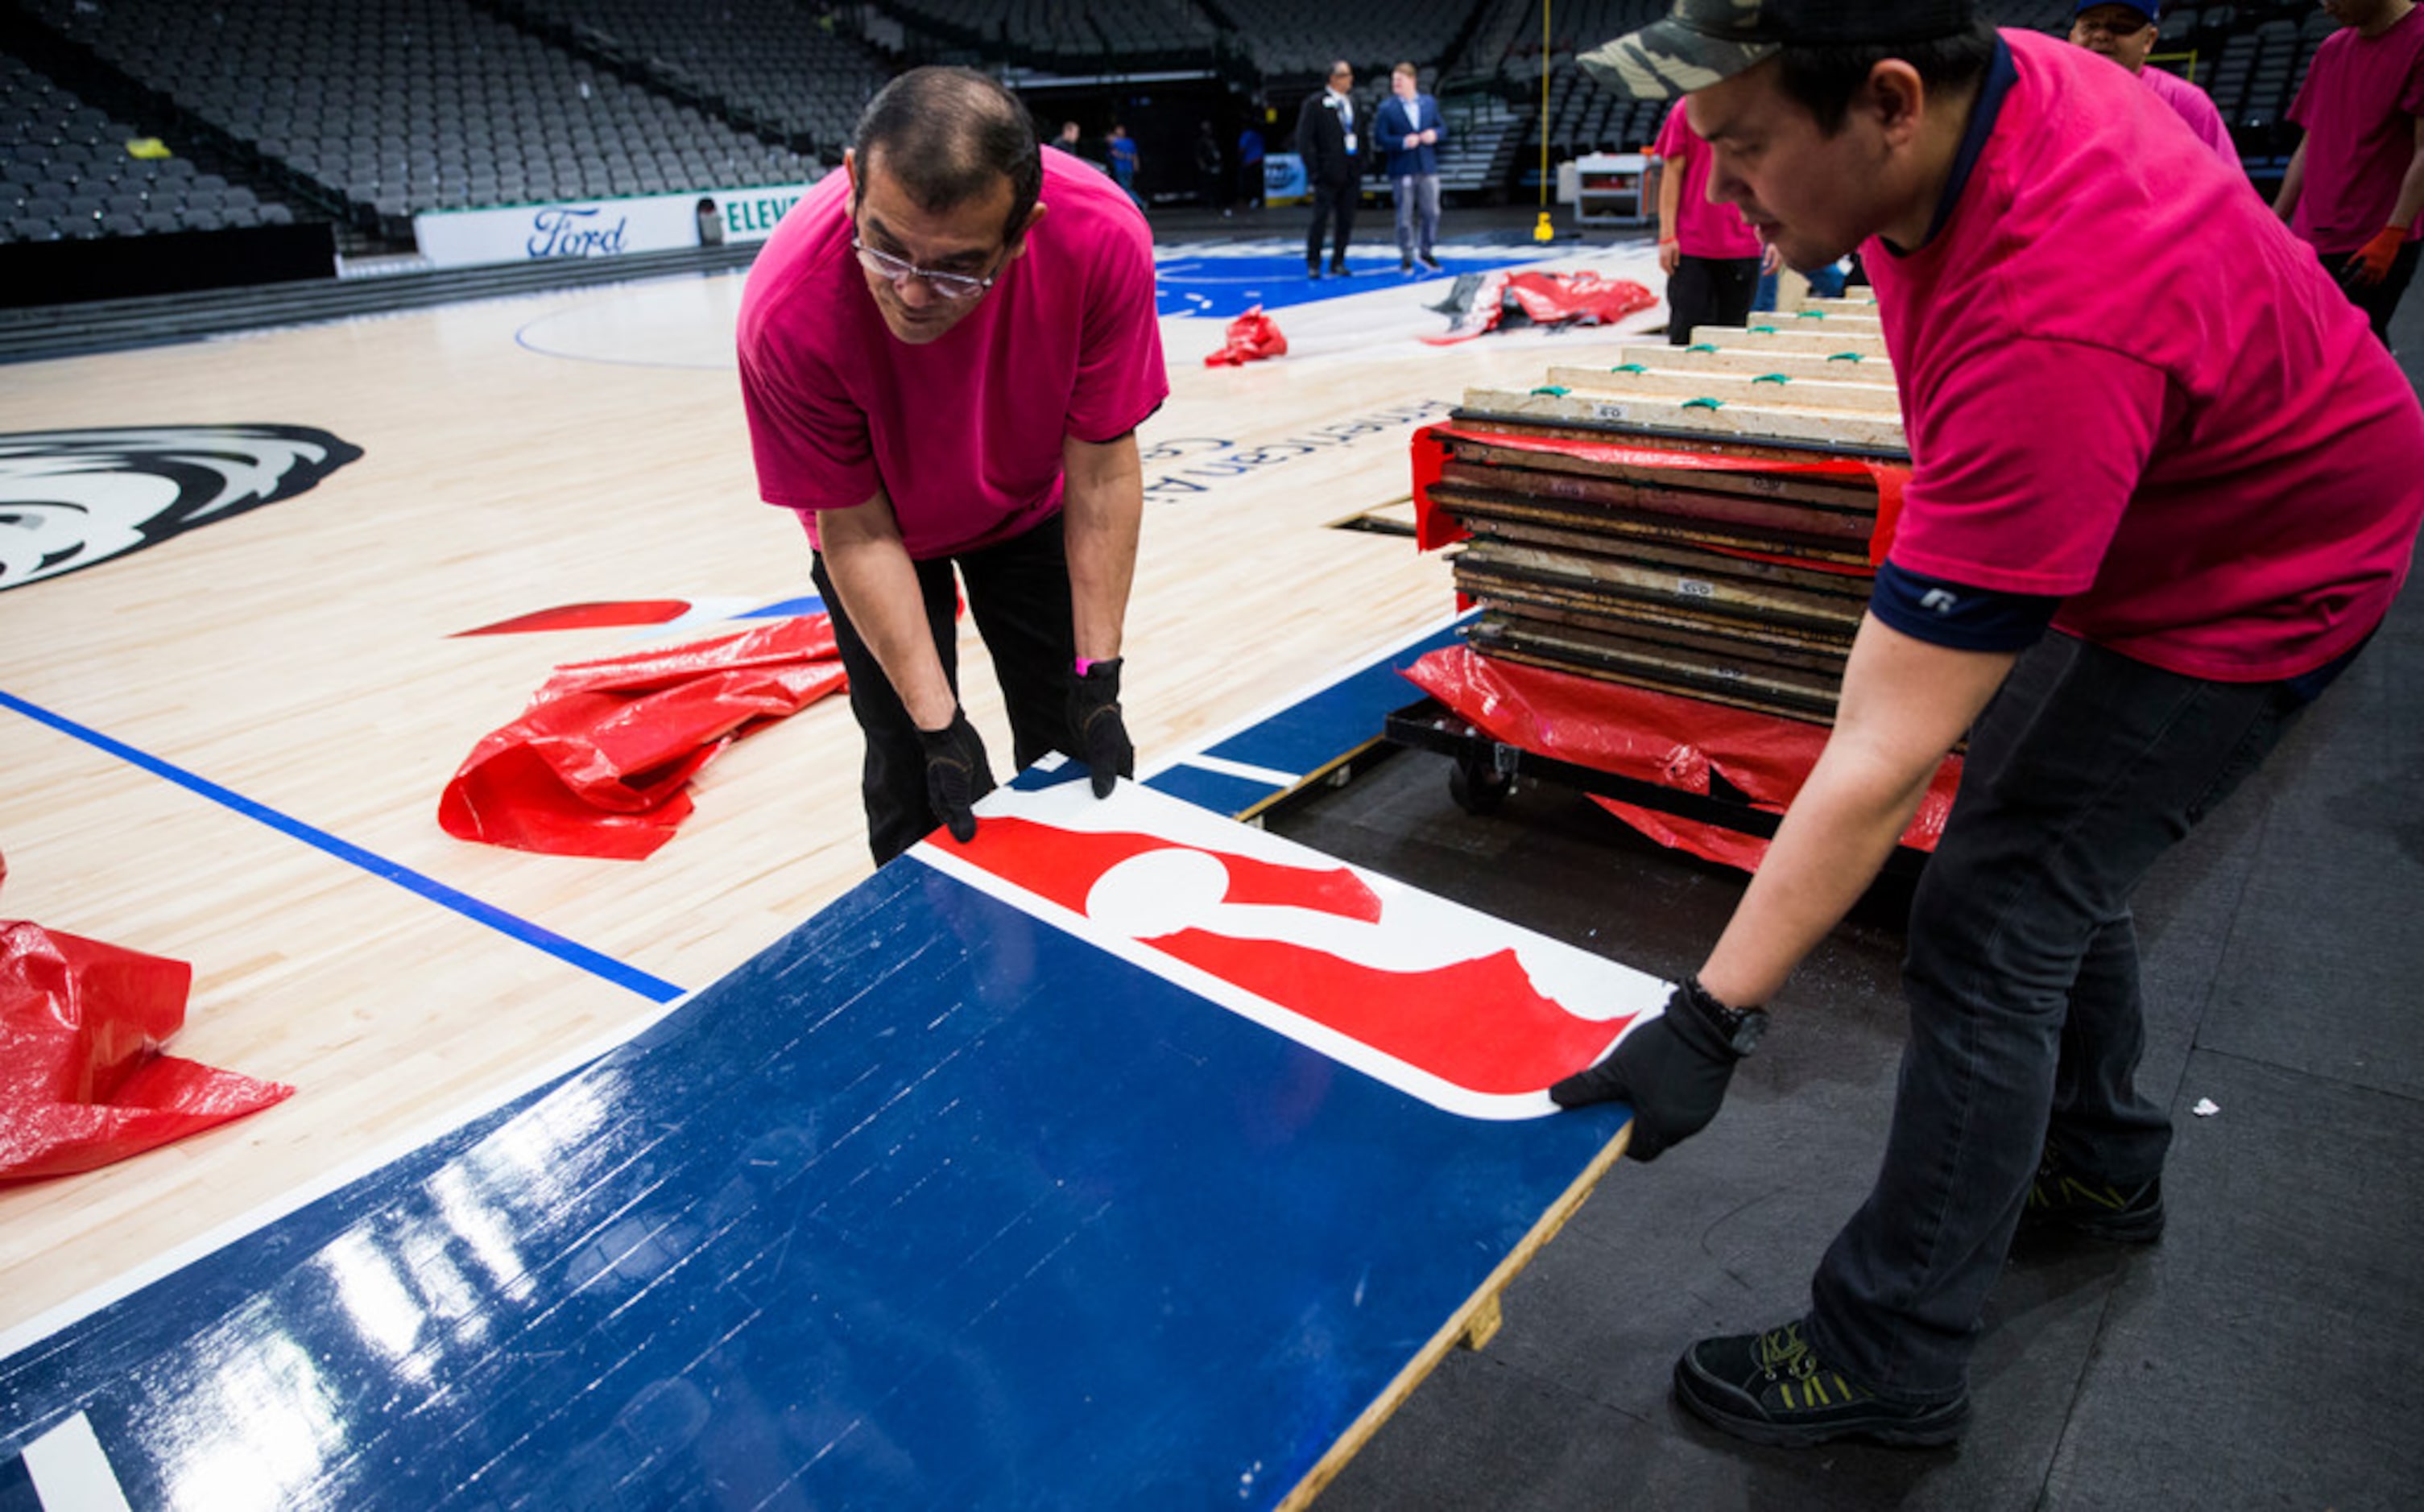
<point x="1547" y="299"/>
<point x="597" y="763"/>
<point x="82" y="1078"/>
<point x="1252" y="336"/>
<point x="1652" y="736"/>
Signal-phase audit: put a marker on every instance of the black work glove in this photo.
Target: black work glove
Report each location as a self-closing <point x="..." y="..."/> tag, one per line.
<point x="1674" y="1070"/>
<point x="956" y="774"/>
<point x="1095" y="719"/>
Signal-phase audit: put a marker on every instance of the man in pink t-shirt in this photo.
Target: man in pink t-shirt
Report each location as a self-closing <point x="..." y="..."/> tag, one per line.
<point x="2163" y="489"/>
<point x="946" y="350"/>
<point x="2354" y="188"/>
<point x="1708" y="252"/>
<point x="2126" y="33"/>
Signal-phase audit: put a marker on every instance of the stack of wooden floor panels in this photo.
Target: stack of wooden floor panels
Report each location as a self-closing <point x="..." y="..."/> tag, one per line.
<point x="1694" y="519"/>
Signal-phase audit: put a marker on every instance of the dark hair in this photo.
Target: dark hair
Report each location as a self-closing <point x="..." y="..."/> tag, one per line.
<point x="947" y="136"/>
<point x="1826" y="80"/>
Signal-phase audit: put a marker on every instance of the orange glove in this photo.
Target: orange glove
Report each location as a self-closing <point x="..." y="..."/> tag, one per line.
<point x="2370" y="264"/>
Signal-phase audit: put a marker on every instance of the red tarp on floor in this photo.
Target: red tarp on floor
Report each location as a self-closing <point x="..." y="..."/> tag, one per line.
<point x="598" y="764"/>
<point x="82" y="1078"/>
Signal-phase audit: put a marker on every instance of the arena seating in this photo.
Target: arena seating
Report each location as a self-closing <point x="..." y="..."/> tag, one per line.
<point x="69" y="173"/>
<point x="416" y="104"/>
<point x="771" y="62"/>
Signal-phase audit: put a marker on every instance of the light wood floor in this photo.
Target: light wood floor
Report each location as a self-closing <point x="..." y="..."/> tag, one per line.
<point x="520" y="454"/>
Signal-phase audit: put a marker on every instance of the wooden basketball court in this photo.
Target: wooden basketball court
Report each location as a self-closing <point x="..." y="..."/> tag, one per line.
<point x="227" y="748"/>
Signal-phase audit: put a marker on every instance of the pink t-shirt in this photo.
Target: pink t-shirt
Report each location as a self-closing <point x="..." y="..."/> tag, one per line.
<point x="1701" y="229"/>
<point x="962" y="434"/>
<point x="2126" y="384"/>
<point x="2359" y="105"/>
<point x="2196" y="107"/>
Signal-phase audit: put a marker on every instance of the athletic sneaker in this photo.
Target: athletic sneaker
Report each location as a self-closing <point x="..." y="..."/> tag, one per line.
<point x="1772" y="1388"/>
<point x="1431" y="264"/>
<point x="1405" y="264"/>
<point x="2062" y="1198"/>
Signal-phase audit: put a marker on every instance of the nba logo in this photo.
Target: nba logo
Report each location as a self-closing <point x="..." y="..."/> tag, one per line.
<point x="1468" y="1013"/>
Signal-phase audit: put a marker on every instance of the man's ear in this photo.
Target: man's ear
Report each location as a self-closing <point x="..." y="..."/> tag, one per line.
<point x="1897" y="97"/>
<point x="1018" y="240"/>
<point x="850" y="168"/>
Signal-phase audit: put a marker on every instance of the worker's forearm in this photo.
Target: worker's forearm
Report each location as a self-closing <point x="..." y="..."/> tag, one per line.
<point x="877" y="584"/>
<point x="1834" y="839"/>
<point x="1101" y="510"/>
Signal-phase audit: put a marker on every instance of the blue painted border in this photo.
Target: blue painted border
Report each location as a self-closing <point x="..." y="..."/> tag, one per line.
<point x="655" y="989"/>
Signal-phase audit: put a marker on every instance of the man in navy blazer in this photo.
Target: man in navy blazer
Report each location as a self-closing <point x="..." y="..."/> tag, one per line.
<point x="1408" y="128"/>
<point x="1328" y="141"/>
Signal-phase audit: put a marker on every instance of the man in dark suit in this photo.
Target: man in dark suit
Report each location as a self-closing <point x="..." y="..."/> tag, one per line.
<point x="1333" y="166"/>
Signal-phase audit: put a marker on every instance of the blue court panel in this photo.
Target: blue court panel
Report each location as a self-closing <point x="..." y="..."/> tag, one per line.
<point x="931" y="1204"/>
<point x="1317" y="730"/>
<point x="1222" y="288"/>
<point x="1222" y="792"/>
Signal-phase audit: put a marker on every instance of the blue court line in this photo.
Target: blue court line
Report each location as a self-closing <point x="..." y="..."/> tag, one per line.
<point x="653" y="988"/>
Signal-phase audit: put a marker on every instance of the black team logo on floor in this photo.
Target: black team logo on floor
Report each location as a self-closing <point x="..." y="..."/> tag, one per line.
<point x="71" y="499"/>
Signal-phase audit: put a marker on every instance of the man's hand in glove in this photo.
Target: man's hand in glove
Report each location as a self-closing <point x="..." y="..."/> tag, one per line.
<point x="2370" y="264"/>
<point x="956" y="774"/>
<point x="1095" y="718"/>
<point x="1674" y="1070"/>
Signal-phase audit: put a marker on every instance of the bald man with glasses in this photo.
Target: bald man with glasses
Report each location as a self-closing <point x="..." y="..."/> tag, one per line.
<point x="946" y="350"/>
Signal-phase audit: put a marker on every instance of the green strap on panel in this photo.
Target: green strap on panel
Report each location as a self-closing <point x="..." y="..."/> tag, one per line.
<point x="1552" y="391"/>
<point x="1704" y="404"/>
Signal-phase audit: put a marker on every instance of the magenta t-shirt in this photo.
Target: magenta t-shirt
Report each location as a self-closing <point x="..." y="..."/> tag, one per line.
<point x="2194" y="106"/>
<point x="2125" y="384"/>
<point x="2359" y="105"/>
<point x="964" y="433"/>
<point x="1701" y="229"/>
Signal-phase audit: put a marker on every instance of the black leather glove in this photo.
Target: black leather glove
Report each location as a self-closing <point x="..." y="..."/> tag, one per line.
<point x="957" y="774"/>
<point x="1674" y="1070"/>
<point x="1095" y="719"/>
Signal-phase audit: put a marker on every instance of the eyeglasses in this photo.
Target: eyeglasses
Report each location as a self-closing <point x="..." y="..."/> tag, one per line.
<point x="897" y="270"/>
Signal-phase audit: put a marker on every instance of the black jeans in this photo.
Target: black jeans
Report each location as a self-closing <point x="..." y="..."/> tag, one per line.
<point x="1018" y="594"/>
<point x="1709" y="291"/>
<point x="2026" y="1024"/>
<point x="1337" y="199"/>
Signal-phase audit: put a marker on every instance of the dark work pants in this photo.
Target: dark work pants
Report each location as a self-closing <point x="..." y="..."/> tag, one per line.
<point x="1332" y="199"/>
<point x="2026" y="1023"/>
<point x="1018" y="594"/>
<point x="1709" y="291"/>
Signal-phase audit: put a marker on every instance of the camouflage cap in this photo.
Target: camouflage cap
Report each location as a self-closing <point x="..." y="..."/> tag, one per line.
<point x="1703" y="43"/>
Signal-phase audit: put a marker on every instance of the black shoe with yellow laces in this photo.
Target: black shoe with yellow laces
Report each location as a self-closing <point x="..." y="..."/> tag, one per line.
<point x="1772" y="1388"/>
<point x="2062" y="1197"/>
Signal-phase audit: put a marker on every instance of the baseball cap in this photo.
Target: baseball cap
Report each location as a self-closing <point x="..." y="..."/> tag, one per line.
<point x="1703" y="43"/>
<point x="2151" y="9"/>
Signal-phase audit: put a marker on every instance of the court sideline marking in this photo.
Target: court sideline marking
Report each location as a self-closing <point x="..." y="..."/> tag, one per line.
<point x="655" y="989"/>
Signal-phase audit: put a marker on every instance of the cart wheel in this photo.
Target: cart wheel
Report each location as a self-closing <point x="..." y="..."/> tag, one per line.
<point x="1478" y="788"/>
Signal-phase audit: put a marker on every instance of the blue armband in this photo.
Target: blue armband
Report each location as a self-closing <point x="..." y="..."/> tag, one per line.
<point x="1957" y="616"/>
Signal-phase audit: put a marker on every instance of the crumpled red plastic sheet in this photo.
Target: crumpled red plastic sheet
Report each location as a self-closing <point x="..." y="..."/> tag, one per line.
<point x="1252" y="336"/>
<point x="1652" y="736"/>
<point x="598" y="765"/>
<point x="1547" y="299"/>
<point x="82" y="1079"/>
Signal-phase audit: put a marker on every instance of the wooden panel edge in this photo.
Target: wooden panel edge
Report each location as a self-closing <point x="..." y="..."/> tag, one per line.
<point x="1459" y="1328"/>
